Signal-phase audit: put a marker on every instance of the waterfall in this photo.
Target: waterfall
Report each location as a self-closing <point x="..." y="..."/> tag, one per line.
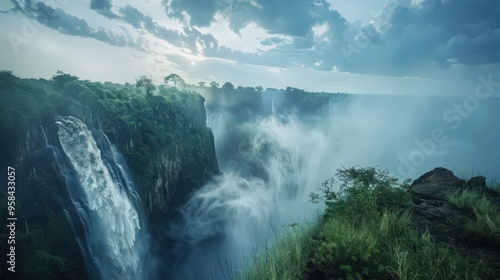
<point x="261" y="188"/>
<point x="273" y="109"/>
<point x="106" y="214"/>
<point x="45" y="142"/>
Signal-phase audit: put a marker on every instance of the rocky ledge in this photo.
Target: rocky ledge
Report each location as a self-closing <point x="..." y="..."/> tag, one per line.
<point x="444" y="221"/>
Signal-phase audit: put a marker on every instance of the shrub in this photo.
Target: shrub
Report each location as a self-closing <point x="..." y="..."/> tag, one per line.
<point x="368" y="233"/>
<point x="363" y="191"/>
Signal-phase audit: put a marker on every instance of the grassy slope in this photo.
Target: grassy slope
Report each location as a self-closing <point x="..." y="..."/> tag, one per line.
<point x="366" y="233"/>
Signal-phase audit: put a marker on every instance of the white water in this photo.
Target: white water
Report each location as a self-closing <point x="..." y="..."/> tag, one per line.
<point x="245" y="205"/>
<point x="111" y="221"/>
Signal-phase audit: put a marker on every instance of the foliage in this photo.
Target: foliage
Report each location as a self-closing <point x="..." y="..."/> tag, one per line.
<point x="60" y="79"/>
<point x="175" y="80"/>
<point x="367" y="233"/>
<point x="284" y="258"/>
<point x="149" y="130"/>
<point x="147" y="84"/>
<point x="363" y="191"/>
<point x="39" y="264"/>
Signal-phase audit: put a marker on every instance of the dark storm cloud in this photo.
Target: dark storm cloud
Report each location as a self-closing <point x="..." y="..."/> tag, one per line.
<point x="100" y="5"/>
<point x="482" y="49"/>
<point x="403" y="40"/>
<point x="293" y="17"/>
<point x="103" y="7"/>
<point x="446" y="32"/>
<point x="201" y="11"/>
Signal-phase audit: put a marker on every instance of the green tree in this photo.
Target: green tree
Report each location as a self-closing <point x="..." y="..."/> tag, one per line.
<point x="228" y="87"/>
<point x="147" y="84"/>
<point x="214" y="84"/>
<point x="175" y="80"/>
<point x="60" y="79"/>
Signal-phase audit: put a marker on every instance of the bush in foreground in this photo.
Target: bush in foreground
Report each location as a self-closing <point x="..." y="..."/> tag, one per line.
<point x="367" y="232"/>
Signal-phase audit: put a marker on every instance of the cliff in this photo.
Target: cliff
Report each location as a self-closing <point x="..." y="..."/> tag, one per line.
<point x="163" y="138"/>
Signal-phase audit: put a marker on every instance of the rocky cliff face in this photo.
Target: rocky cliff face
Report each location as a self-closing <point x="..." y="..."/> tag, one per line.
<point x="164" y="139"/>
<point x="166" y="172"/>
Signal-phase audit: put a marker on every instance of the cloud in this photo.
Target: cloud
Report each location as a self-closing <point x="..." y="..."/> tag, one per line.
<point x="293" y="17"/>
<point x="187" y="39"/>
<point x="407" y="38"/>
<point x="103" y="7"/>
<point x="471" y="50"/>
<point x="402" y="40"/>
<point x="100" y="5"/>
<point x="201" y="12"/>
<point x="58" y="19"/>
<point x="429" y="31"/>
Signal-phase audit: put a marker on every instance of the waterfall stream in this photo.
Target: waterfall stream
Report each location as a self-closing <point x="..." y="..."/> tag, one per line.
<point x="105" y="203"/>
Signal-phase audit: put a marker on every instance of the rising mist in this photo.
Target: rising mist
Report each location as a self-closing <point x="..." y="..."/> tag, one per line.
<point x="274" y="151"/>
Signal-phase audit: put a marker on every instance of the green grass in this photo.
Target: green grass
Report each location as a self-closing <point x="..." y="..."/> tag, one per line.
<point x="471" y="199"/>
<point x="367" y="233"/>
<point x="283" y="258"/>
<point x="486" y="222"/>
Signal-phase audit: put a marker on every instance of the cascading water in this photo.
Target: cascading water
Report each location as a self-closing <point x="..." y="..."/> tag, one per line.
<point x="106" y="214"/>
<point x="261" y="187"/>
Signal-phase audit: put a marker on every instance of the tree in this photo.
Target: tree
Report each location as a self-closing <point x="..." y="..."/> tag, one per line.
<point x="228" y="87"/>
<point x="175" y="80"/>
<point x="146" y="83"/>
<point x="201" y="84"/>
<point x="214" y="84"/>
<point x="61" y="78"/>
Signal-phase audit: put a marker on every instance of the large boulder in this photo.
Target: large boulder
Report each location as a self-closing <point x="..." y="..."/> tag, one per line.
<point x="436" y="184"/>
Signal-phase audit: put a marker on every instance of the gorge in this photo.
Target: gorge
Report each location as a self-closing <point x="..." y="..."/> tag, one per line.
<point x="118" y="184"/>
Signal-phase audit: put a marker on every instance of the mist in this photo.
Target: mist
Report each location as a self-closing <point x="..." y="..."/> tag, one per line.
<point x="274" y="151"/>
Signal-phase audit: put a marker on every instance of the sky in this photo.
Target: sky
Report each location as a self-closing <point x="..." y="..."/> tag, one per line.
<point x="430" y="47"/>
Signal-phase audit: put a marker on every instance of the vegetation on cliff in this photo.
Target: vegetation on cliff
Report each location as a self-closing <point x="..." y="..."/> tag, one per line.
<point x="377" y="228"/>
<point x="162" y="135"/>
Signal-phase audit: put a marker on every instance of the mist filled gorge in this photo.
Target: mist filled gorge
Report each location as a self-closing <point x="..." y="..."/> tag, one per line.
<point x="197" y="182"/>
<point x="276" y="151"/>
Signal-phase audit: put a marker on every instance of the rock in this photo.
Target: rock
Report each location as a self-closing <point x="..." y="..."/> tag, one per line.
<point x="439" y="210"/>
<point x="433" y="213"/>
<point x="477" y="182"/>
<point x="435" y="184"/>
